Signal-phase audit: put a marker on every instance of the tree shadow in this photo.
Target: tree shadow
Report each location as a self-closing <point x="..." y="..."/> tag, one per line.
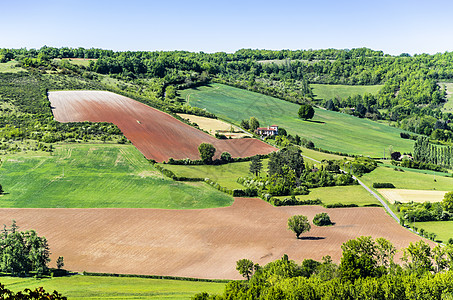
<point x="314" y="121"/>
<point x="312" y="238"/>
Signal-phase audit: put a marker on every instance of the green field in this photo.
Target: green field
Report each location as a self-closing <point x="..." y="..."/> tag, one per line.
<point x="443" y="229"/>
<point x="225" y="175"/>
<point x="10" y="67"/>
<point x="319" y="156"/>
<point x="328" y="130"/>
<point x="97" y="175"/>
<point x="94" y="287"/>
<point x="331" y="91"/>
<point x="448" y="106"/>
<point x="78" y="62"/>
<point x="409" y="179"/>
<point x="354" y="194"/>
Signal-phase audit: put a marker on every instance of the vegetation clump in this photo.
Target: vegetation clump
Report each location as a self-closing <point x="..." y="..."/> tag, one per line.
<point x="298" y="224"/>
<point x="322" y="219"/>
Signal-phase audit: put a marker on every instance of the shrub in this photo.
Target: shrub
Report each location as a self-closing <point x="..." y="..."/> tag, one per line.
<point x="322" y="219"/>
<point x="383" y="185"/>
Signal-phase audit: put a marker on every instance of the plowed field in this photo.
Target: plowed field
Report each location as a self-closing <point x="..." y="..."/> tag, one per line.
<point x="197" y="243"/>
<point x="156" y="134"/>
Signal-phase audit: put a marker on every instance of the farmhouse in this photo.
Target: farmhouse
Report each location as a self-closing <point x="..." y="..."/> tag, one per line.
<point x="267" y="131"/>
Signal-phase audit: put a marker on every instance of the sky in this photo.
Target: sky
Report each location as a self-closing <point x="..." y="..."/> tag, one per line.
<point x="394" y="27"/>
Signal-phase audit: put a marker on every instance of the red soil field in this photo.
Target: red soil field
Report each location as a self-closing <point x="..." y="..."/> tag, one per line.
<point x="156" y="134"/>
<point x="197" y="243"/>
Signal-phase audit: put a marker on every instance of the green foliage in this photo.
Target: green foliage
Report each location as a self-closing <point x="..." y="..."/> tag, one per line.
<point x="298" y="224"/>
<point x="253" y="124"/>
<point x="207" y="152"/>
<point x="422" y="212"/>
<point x="22" y="252"/>
<point x="245" y="267"/>
<point x="322" y="219"/>
<point x="226" y="157"/>
<point x="306" y="112"/>
<point x="447" y="202"/>
<point x="256" y="165"/>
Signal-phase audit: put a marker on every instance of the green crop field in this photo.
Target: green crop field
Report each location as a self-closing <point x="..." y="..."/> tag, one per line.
<point x="225" y="175"/>
<point x="409" y="179"/>
<point x="329" y="130"/>
<point x="319" y="156"/>
<point x="354" y="194"/>
<point x="10" y="67"/>
<point x="97" y="175"/>
<point x="331" y="91"/>
<point x="443" y="229"/>
<point x="97" y="287"/>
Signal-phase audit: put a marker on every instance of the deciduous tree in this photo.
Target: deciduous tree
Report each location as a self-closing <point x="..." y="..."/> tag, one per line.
<point x="207" y="152"/>
<point x="306" y="111"/>
<point x="298" y="224"/>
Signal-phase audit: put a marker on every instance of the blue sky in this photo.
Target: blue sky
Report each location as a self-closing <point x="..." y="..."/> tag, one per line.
<point x="210" y="26"/>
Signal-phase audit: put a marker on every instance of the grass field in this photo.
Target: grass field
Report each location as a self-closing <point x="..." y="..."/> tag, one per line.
<point x="225" y="175"/>
<point x="97" y="175"/>
<point x="408" y="179"/>
<point x="443" y="229"/>
<point x="78" y="61"/>
<point x="10" y="67"/>
<point x="448" y="106"/>
<point x="331" y="91"/>
<point x="94" y="287"/>
<point x="329" y="130"/>
<point x="354" y="194"/>
<point x="319" y="156"/>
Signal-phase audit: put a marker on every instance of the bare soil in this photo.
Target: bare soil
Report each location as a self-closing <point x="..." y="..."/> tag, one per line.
<point x="197" y="243"/>
<point x="156" y="134"/>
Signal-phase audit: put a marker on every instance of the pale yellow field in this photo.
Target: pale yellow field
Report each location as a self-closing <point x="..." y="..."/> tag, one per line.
<point x="213" y="125"/>
<point x="405" y="196"/>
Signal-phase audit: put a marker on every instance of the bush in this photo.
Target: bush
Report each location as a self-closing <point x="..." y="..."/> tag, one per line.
<point x="383" y="185"/>
<point x="322" y="219"/>
<point x="340" y="205"/>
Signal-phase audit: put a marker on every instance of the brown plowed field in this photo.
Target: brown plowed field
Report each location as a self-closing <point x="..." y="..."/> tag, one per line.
<point x="197" y="243"/>
<point x="156" y="134"/>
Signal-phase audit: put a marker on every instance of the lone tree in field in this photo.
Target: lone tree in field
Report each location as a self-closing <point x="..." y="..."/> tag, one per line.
<point x="298" y="224"/>
<point x="447" y="202"/>
<point x="306" y="111"/>
<point x="256" y="165"/>
<point x="322" y="219"/>
<point x="207" y="152"/>
<point x="245" y="267"/>
<point x="60" y="262"/>
<point x="1" y="190"/>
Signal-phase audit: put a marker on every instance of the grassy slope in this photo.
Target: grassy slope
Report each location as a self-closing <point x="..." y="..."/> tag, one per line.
<point x="100" y="175"/>
<point x="340" y="194"/>
<point x="443" y="229"/>
<point x="94" y="287"/>
<point x="448" y="106"/>
<point x="10" y="67"/>
<point x="408" y="179"/>
<point x="331" y="130"/>
<point x="330" y="91"/>
<point x="225" y="175"/>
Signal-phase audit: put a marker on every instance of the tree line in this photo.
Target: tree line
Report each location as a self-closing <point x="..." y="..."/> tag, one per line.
<point x="367" y="270"/>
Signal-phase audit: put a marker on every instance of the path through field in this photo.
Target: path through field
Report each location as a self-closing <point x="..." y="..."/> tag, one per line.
<point x="156" y="134"/>
<point x="197" y="243"/>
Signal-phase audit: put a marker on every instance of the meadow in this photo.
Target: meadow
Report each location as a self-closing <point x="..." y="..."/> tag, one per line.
<point x="328" y="130"/>
<point x="11" y="67"/>
<point x="443" y="229"/>
<point x="409" y="179"/>
<point x="448" y="106"/>
<point x="354" y="194"/>
<point x="98" y="287"/>
<point x="97" y="175"/>
<point x="331" y="91"/>
<point x="225" y="175"/>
